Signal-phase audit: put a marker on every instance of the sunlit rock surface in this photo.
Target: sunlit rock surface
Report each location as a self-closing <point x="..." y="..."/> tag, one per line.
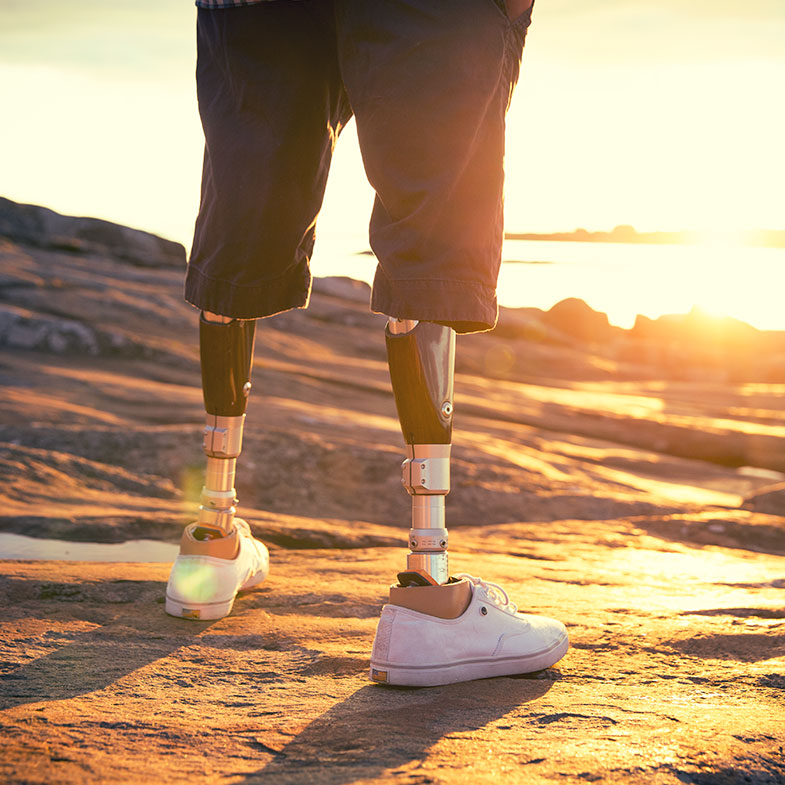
<point x="637" y="500"/>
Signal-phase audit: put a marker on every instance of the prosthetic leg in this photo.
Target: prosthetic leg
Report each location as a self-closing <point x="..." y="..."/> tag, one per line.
<point x="438" y="629"/>
<point x="421" y="356"/>
<point x="226" y="350"/>
<point x="218" y="556"/>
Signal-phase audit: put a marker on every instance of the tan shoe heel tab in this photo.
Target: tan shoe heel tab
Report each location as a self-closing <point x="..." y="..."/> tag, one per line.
<point x="222" y="548"/>
<point x="447" y="601"/>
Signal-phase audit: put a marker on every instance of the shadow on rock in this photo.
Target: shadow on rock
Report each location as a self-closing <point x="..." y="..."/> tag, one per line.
<point x="85" y="661"/>
<point x="760" y="770"/>
<point x="379" y="729"/>
<point x="745" y="647"/>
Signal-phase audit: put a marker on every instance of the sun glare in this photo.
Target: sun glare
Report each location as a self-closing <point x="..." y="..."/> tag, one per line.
<point x="723" y="286"/>
<point x="719" y="238"/>
<point x="627" y="279"/>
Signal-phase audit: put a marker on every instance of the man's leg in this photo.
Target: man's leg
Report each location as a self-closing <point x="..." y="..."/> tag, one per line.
<point x="438" y="628"/>
<point x="218" y="556"/>
<point x="272" y="105"/>
<point x="430" y="86"/>
<point x="421" y="357"/>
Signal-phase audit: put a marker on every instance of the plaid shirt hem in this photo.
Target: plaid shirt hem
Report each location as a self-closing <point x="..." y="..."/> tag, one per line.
<point x="227" y="3"/>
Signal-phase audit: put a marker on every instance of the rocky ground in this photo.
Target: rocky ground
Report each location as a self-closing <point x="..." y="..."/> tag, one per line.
<point x="627" y="482"/>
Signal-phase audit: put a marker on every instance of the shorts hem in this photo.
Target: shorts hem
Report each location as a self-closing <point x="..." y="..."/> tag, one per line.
<point x="465" y="306"/>
<point x="248" y="302"/>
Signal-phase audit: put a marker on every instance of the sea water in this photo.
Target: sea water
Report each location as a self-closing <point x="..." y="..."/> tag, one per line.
<point x="620" y="279"/>
<point x="18" y="546"/>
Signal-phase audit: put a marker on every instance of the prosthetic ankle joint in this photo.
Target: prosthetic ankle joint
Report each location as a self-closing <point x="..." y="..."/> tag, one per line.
<point x="226" y="356"/>
<point x="421" y="357"/>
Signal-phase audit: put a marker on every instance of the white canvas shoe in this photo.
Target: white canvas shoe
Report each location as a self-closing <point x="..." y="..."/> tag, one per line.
<point x="207" y="574"/>
<point x="467" y="629"/>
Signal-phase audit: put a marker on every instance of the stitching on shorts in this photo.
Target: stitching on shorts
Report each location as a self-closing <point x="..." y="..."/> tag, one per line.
<point x="440" y="282"/>
<point x="264" y="284"/>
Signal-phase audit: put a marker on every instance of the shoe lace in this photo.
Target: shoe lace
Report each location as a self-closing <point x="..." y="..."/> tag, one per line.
<point x="240" y="524"/>
<point x="492" y="592"/>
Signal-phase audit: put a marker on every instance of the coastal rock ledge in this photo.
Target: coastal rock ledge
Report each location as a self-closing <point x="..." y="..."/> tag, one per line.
<point x="591" y="485"/>
<point x="39" y="226"/>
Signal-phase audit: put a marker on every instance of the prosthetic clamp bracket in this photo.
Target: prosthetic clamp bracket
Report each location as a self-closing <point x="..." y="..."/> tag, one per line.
<point x="426" y="470"/>
<point x="223" y="436"/>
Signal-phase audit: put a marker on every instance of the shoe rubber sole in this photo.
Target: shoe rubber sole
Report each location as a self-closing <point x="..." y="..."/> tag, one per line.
<point x="466" y="670"/>
<point x="201" y="611"/>
<point x="209" y="611"/>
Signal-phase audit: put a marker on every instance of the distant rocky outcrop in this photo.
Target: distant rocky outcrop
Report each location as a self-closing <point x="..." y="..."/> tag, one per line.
<point x="575" y="318"/>
<point x="343" y="288"/>
<point x="719" y="346"/>
<point x="702" y="328"/>
<point x="568" y="322"/>
<point x="44" y="228"/>
<point x="625" y="233"/>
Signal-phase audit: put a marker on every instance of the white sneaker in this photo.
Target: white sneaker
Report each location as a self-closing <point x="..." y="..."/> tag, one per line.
<point x="207" y="574"/>
<point x="464" y="630"/>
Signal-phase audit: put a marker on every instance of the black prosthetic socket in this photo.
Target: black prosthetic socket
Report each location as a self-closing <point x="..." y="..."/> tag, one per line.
<point x="421" y="371"/>
<point x="227" y="356"/>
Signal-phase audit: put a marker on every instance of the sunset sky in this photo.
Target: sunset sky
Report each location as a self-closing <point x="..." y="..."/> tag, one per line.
<point x="664" y="116"/>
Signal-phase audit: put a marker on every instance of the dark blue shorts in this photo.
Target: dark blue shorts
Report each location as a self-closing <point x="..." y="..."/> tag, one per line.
<point x="429" y="82"/>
